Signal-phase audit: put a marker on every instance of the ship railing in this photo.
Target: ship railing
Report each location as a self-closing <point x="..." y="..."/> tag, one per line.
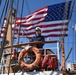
<point x="52" y="48"/>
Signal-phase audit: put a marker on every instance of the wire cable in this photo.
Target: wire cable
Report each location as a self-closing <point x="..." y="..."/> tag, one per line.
<point x="5" y="32"/>
<point x="20" y="21"/>
<point x="17" y="4"/>
<point x="28" y="8"/>
<point x="5" y="6"/>
<point x="4" y="36"/>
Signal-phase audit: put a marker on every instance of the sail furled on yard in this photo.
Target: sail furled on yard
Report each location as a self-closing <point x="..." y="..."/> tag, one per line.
<point x="49" y="18"/>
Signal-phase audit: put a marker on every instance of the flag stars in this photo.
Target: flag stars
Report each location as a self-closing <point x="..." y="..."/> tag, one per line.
<point x="50" y="13"/>
<point x="55" y="12"/>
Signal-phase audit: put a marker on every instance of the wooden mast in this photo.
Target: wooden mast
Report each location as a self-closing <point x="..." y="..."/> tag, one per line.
<point x="63" y="58"/>
<point x="9" y="38"/>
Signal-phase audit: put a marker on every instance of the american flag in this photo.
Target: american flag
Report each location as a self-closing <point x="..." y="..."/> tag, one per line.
<point x="51" y="19"/>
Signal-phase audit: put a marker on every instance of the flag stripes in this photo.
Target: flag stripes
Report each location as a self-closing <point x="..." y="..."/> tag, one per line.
<point x="49" y="19"/>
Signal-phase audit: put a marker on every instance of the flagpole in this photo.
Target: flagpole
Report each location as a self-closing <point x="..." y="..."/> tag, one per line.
<point x="63" y="58"/>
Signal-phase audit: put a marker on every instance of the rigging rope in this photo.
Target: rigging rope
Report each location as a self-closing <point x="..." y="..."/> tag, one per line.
<point x="73" y="47"/>
<point x="0" y="2"/>
<point x="17" y="3"/>
<point x="64" y="18"/>
<point x="21" y="18"/>
<point x="28" y="8"/>
<point x="6" y="9"/>
<point x="73" y="30"/>
<point x="69" y="20"/>
<point x="20" y="21"/>
<point x="74" y="37"/>
<point x="5" y="32"/>
<point x="4" y="36"/>
<point x="5" y="6"/>
<point x="62" y="38"/>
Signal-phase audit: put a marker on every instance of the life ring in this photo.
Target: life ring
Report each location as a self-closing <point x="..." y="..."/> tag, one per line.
<point x="33" y="65"/>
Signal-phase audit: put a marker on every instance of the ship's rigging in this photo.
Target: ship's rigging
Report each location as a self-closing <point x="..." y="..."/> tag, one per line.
<point x="11" y="5"/>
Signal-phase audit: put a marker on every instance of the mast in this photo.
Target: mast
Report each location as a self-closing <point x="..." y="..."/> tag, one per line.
<point x="5" y="32"/>
<point x="63" y="58"/>
<point x="9" y="38"/>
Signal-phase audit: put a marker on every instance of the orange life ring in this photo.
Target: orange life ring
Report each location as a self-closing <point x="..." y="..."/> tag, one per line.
<point x="33" y="65"/>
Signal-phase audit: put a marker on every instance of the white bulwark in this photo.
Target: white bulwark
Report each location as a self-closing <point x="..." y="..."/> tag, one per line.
<point x="37" y="73"/>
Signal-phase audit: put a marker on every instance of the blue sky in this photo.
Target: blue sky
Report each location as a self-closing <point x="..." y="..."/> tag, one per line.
<point x="33" y="5"/>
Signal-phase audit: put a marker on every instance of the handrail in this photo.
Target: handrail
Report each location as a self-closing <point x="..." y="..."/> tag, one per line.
<point x="37" y="42"/>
